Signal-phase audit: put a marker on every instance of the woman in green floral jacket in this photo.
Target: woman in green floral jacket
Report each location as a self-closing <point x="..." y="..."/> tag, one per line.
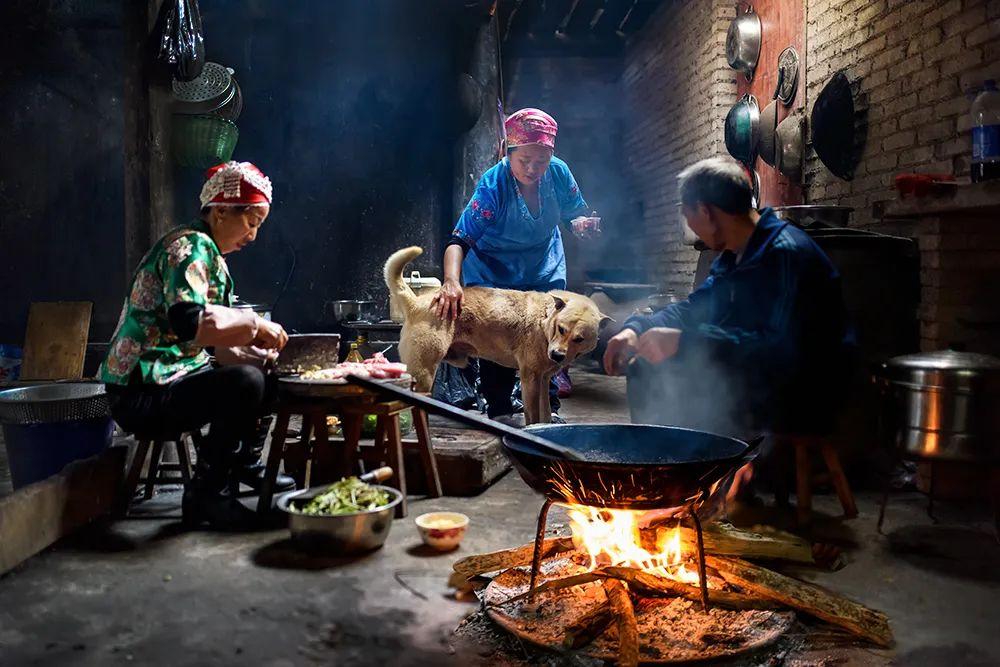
<point x="158" y="372"/>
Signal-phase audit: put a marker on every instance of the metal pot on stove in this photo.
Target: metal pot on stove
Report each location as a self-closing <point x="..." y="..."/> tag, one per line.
<point x="944" y="405"/>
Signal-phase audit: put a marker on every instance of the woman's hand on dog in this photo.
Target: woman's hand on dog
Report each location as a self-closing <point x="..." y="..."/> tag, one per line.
<point x="447" y="303"/>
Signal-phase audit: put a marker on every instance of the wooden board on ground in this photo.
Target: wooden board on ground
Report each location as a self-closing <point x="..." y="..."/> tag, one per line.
<point x="55" y="341"/>
<point x="468" y="461"/>
<point x="671" y="630"/>
<point x="35" y="516"/>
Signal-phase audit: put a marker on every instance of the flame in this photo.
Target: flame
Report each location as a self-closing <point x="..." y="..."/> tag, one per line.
<point x="611" y="537"/>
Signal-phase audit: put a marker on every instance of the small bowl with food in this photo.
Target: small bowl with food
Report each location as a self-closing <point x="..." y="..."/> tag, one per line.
<point x="347" y="517"/>
<point x="442" y="530"/>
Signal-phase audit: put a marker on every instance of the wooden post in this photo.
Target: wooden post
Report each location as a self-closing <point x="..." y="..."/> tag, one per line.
<point x="148" y="171"/>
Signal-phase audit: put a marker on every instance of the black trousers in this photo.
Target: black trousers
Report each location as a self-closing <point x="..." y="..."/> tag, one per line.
<point x="497" y="385"/>
<point x="231" y="399"/>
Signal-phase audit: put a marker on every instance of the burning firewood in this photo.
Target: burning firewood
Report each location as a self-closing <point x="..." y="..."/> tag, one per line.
<point x="860" y="620"/>
<point x="725" y="540"/>
<point x="556" y="584"/>
<point x="583" y="630"/>
<point x="588" y="627"/>
<point x="501" y="560"/>
<point x="654" y="585"/>
<point x="624" y="615"/>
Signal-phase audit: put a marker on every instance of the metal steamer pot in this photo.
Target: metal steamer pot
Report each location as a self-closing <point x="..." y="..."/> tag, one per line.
<point x="945" y="405"/>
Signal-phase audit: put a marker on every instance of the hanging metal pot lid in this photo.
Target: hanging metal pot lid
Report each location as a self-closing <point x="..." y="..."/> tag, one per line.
<point x="839" y="124"/>
<point x="946" y="360"/>
<point x="788" y="75"/>
<point x="743" y="129"/>
<point x="213" y="82"/>
<point x="743" y="42"/>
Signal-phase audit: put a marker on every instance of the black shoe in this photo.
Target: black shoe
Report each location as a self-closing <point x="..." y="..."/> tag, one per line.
<point x="253" y="476"/>
<point x="220" y="511"/>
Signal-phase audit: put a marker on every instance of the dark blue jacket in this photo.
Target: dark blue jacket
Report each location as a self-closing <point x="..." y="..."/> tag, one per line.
<point x="775" y="322"/>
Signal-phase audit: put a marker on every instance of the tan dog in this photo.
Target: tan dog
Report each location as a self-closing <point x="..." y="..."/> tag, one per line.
<point x="536" y="333"/>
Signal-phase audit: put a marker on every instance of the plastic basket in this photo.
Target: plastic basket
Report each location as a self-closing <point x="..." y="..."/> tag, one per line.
<point x="202" y="141"/>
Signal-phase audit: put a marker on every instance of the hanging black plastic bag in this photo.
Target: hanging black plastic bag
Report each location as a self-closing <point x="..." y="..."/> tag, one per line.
<point x="180" y="46"/>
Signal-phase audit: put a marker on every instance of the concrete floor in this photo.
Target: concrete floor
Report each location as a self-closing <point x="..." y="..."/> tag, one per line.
<point x="142" y="592"/>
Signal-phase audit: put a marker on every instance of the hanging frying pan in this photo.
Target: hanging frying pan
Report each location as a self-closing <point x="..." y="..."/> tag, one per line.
<point x="839" y="124"/>
<point x="743" y="129"/>
<point x="790" y="141"/>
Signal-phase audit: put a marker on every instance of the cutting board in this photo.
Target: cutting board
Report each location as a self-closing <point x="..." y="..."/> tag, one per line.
<point x="56" y="340"/>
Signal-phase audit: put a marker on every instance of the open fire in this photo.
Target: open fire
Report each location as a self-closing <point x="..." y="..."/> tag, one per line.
<point x="611" y="537"/>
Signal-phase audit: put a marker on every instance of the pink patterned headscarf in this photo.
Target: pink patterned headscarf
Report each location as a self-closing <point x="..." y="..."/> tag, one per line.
<point x="531" y="126"/>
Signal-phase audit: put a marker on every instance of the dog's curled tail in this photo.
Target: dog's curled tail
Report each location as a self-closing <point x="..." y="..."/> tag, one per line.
<point x="398" y="289"/>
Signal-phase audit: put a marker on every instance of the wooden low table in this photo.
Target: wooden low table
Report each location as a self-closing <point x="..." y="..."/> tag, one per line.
<point x="314" y="460"/>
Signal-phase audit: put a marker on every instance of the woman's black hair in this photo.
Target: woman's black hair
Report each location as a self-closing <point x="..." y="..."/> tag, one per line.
<point x="239" y="207"/>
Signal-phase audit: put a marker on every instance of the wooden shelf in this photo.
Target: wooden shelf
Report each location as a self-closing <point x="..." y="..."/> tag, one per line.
<point x="963" y="198"/>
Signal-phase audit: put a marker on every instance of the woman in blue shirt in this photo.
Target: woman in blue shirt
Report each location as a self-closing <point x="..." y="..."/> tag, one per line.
<point x="508" y="237"/>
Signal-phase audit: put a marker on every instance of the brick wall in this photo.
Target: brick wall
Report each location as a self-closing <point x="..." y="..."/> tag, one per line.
<point x="677" y="89"/>
<point x="917" y="59"/>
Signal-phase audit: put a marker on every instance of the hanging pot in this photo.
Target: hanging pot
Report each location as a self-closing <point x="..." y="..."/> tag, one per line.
<point x="839" y="124"/>
<point x="743" y="129"/>
<point x="768" y="124"/>
<point x="743" y="42"/>
<point x="790" y="141"/>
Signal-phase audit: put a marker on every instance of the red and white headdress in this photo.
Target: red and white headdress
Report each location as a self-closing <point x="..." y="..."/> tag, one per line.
<point x="235" y="184"/>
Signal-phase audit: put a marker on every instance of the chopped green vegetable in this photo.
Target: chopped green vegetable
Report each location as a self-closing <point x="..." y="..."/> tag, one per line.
<point x="347" y="496"/>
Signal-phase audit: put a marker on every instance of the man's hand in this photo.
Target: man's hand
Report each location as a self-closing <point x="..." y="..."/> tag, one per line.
<point x="658" y="344"/>
<point x="741" y="480"/>
<point x="586" y="227"/>
<point x="270" y="335"/>
<point x="621" y="348"/>
<point x="448" y="302"/>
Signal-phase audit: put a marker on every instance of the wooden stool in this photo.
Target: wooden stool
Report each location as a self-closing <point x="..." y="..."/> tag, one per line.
<point x="803" y="445"/>
<point x="156" y="474"/>
<point x="322" y="464"/>
<point x="389" y="442"/>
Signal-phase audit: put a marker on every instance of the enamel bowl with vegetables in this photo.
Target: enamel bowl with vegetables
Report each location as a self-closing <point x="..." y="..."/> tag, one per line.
<point x="347" y="517"/>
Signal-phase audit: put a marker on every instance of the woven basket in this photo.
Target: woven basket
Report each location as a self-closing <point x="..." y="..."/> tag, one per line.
<point x="202" y="141"/>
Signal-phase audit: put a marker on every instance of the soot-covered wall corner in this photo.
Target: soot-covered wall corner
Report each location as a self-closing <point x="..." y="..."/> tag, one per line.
<point x="348" y="109"/>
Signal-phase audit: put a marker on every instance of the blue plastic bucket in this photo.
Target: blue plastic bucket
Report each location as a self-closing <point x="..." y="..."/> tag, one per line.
<point x="38" y="451"/>
<point x="47" y="426"/>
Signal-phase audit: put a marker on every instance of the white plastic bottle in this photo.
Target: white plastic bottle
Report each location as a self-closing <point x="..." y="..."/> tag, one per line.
<point x="986" y="133"/>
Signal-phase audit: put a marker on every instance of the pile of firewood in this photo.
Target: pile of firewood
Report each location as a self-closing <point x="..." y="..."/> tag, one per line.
<point x="751" y="586"/>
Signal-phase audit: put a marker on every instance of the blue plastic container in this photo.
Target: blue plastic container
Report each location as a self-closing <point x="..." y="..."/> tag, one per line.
<point x="47" y="426"/>
<point x="38" y="451"/>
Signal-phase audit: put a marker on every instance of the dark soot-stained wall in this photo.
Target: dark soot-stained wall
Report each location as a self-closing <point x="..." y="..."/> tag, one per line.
<point x="60" y="159"/>
<point x="348" y="109"/>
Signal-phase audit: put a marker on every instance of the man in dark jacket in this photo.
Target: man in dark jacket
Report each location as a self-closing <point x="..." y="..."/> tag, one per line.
<point x="760" y="344"/>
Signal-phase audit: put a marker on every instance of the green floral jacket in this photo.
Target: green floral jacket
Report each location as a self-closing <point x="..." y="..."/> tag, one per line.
<point x="184" y="265"/>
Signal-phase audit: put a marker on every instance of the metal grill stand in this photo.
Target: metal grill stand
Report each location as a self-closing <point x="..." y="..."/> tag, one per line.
<point x="536" y="560"/>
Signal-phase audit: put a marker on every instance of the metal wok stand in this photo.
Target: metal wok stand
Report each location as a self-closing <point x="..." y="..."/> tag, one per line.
<point x="689" y="509"/>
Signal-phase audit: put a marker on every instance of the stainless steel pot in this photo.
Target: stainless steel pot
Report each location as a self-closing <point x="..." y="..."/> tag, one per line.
<point x="352" y="311"/>
<point x="342" y="534"/>
<point x="743" y="42"/>
<point x="945" y="405"/>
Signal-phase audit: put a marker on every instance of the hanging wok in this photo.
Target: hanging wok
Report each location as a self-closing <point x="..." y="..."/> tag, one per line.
<point x="743" y="129"/>
<point x="622" y="466"/>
